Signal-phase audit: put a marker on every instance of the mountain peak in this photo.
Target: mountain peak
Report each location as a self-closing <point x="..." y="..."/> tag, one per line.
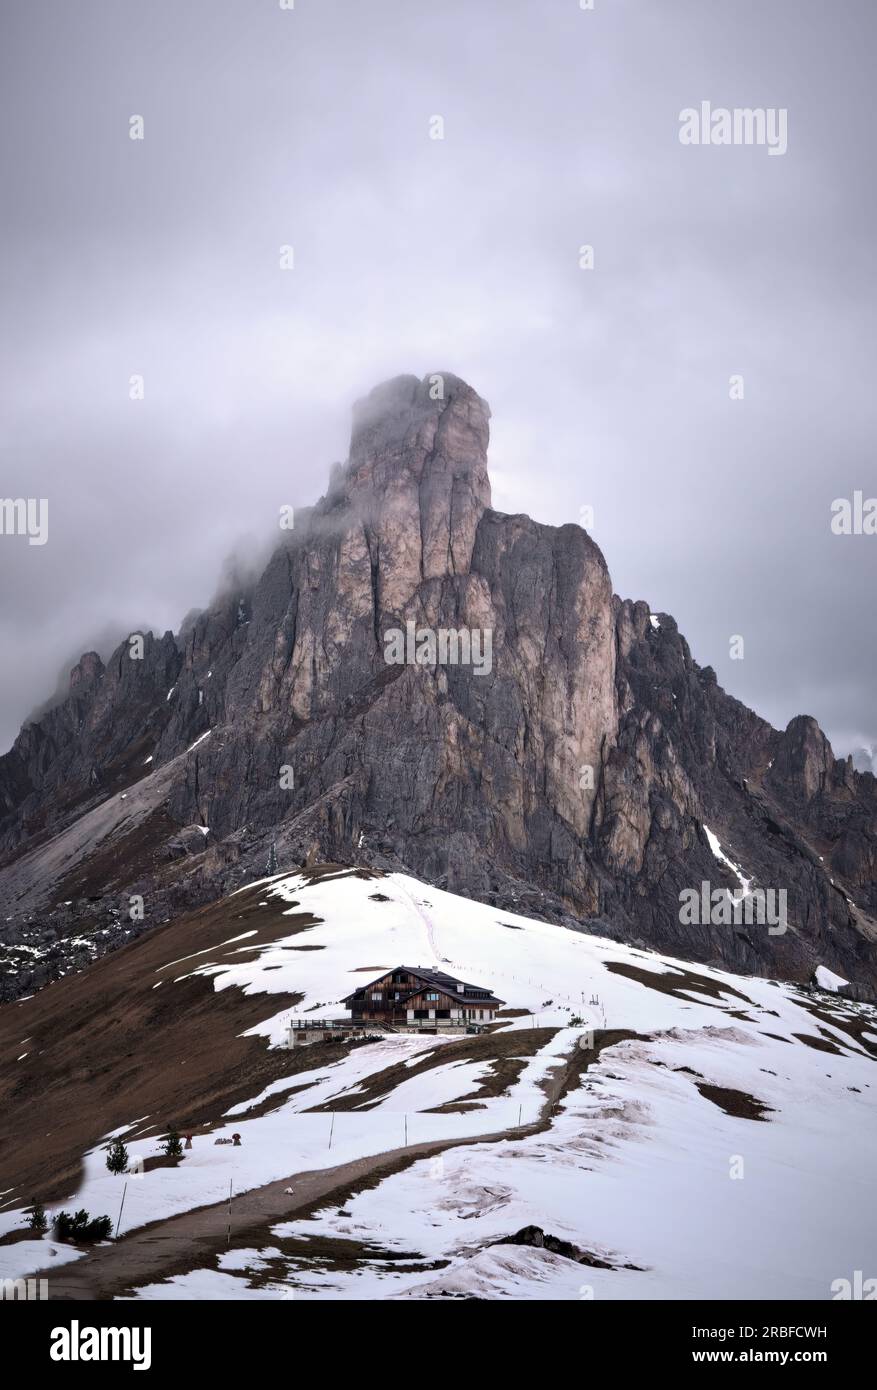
<point x="417" y="475"/>
<point x="385" y="416"/>
<point x="433" y="426"/>
<point x="549" y="747"/>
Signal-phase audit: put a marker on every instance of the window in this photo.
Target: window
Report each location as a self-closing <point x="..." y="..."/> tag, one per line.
<point x="377" y="998"/>
<point x="432" y="996"/>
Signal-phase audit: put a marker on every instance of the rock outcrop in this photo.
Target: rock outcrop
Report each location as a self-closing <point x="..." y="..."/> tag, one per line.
<point x="565" y="764"/>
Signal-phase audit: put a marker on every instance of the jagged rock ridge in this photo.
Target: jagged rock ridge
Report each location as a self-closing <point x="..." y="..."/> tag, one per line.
<point x="571" y="780"/>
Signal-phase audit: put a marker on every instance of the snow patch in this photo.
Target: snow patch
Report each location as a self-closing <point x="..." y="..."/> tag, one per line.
<point x="826" y="979"/>
<point x="721" y="856"/>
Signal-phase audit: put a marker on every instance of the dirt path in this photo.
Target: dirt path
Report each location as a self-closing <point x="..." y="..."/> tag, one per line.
<point x="192" y="1239"/>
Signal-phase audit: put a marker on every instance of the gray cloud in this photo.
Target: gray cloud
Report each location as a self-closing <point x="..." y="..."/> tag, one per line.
<point x="609" y="388"/>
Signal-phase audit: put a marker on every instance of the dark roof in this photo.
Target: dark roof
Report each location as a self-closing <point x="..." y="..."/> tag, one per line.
<point x="439" y="979"/>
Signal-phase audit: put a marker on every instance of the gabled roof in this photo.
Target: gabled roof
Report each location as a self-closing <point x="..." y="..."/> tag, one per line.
<point x="437" y="979"/>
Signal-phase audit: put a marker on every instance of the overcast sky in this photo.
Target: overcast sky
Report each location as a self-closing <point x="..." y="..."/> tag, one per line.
<point x="310" y="127"/>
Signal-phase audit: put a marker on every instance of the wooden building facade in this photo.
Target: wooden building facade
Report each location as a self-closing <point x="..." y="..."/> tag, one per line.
<point x="412" y="997"/>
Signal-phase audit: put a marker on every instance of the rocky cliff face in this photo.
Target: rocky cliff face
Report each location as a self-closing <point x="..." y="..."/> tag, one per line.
<point x="566" y="765"/>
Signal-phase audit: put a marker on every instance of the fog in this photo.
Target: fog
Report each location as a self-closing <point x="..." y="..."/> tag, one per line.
<point x="311" y="128"/>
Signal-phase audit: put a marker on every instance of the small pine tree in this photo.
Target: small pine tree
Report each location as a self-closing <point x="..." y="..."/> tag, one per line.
<point x="82" y="1227"/>
<point x="271" y="867"/>
<point x="80" y="1223"/>
<point x="172" y="1145"/>
<point x="101" y="1228"/>
<point x="63" y="1222"/>
<point x="38" y="1220"/>
<point x="117" y="1156"/>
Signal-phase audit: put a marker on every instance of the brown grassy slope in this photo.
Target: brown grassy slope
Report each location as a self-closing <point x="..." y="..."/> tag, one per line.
<point x="104" y="1047"/>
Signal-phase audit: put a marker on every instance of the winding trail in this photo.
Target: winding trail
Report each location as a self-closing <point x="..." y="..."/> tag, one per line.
<point x="194" y="1238"/>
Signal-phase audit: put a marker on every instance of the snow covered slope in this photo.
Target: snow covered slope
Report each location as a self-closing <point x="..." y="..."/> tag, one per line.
<point x="690" y="1133"/>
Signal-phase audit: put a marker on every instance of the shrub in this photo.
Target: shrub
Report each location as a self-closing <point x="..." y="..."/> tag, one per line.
<point x="37" y="1221"/>
<point x="81" y="1228"/>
